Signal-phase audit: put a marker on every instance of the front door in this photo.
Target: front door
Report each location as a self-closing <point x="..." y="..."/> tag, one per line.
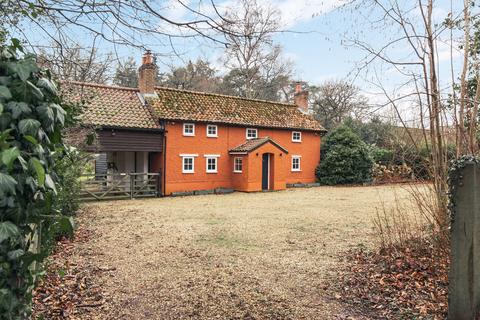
<point x="265" y="171"/>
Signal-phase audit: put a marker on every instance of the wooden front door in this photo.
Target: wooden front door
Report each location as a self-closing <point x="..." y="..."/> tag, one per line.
<point x="265" y="171"/>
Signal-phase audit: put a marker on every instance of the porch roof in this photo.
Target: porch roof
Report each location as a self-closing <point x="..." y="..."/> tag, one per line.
<point x="252" y="144"/>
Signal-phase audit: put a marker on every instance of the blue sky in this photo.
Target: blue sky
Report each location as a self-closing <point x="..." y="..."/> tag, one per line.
<point x="317" y="38"/>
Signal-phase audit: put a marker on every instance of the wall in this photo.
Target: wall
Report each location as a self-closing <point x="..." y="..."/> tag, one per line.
<point x="228" y="138"/>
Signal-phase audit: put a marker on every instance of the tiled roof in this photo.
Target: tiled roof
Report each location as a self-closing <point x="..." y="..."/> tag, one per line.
<point x="173" y="104"/>
<point x="109" y="106"/>
<point x="252" y="144"/>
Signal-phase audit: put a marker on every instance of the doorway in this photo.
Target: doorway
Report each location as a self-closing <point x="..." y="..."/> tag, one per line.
<point x="266" y="171"/>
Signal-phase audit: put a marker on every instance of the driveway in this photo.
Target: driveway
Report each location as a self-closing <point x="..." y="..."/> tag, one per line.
<point x="238" y="256"/>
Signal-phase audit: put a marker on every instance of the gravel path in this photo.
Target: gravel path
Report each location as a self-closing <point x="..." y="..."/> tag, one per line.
<point x="238" y="256"/>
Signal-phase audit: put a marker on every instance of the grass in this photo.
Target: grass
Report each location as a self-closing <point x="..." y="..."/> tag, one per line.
<point x="239" y="256"/>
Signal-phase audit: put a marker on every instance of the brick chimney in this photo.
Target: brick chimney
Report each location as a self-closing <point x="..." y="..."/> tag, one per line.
<point x="147" y="74"/>
<point x="300" y="98"/>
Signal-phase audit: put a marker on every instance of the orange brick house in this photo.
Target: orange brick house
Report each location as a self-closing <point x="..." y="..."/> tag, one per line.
<point x="201" y="141"/>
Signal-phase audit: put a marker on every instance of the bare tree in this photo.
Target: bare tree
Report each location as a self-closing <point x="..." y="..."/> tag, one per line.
<point x="410" y="26"/>
<point x="127" y="22"/>
<point x="334" y="101"/>
<point x="76" y="63"/>
<point x="256" y="64"/>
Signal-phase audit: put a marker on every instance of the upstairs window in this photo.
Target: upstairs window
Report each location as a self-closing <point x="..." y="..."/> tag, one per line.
<point x="188" y="129"/>
<point x="237" y="165"/>
<point x="212" y="131"/>
<point x="296" y="163"/>
<point x="296" y="136"/>
<point x="252" y="133"/>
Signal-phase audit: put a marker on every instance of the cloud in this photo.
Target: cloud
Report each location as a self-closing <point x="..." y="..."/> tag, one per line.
<point x="296" y="11"/>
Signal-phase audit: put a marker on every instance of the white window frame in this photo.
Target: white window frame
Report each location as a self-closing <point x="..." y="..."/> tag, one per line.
<point x="188" y="156"/>
<point x="256" y="133"/>
<point x="299" y="136"/>
<point x="189" y="134"/>
<point x="235" y="164"/>
<point x="299" y="158"/>
<point x="209" y="157"/>
<point x="216" y="131"/>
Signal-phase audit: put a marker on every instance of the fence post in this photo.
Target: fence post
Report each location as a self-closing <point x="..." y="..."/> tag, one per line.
<point x="464" y="277"/>
<point x="132" y="186"/>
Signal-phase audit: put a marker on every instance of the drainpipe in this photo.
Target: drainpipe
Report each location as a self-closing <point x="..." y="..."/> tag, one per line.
<point x="164" y="173"/>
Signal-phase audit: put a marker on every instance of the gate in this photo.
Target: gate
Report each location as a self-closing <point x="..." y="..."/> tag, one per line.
<point x="120" y="186"/>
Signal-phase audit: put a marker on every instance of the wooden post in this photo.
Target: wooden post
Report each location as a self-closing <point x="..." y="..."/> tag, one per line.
<point x="132" y="185"/>
<point x="464" y="278"/>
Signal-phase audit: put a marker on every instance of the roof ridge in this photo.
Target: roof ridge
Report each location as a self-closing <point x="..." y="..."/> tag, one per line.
<point x="98" y="85"/>
<point x="225" y="96"/>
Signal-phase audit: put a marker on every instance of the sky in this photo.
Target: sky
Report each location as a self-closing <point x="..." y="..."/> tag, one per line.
<point x="317" y="36"/>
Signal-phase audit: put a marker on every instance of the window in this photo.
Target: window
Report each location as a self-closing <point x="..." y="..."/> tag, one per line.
<point x="296" y="136"/>
<point x="211" y="162"/>
<point x="296" y="163"/>
<point x="252" y="133"/>
<point x="237" y="165"/>
<point x="188" y="164"/>
<point x="188" y="129"/>
<point x="212" y="130"/>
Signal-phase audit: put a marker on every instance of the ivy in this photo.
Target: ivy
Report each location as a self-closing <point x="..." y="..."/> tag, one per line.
<point x="31" y="117"/>
<point x="455" y="179"/>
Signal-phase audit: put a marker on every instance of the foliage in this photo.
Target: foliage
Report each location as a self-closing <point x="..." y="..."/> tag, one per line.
<point x="126" y="74"/>
<point x="335" y="101"/>
<point x="31" y="122"/>
<point x="69" y="168"/>
<point x="346" y="159"/>
<point x="198" y="76"/>
<point x="374" y="132"/>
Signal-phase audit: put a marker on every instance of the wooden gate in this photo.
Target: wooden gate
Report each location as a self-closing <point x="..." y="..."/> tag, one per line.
<point x="120" y="186"/>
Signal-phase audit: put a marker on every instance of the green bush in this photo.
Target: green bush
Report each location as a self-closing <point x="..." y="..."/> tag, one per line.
<point x="31" y="122"/>
<point x="346" y="159"/>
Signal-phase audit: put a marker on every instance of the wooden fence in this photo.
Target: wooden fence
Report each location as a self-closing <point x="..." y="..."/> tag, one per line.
<point x="120" y="186"/>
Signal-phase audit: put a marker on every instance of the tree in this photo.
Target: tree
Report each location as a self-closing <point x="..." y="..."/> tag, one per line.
<point x="335" y="101"/>
<point x="198" y="76"/>
<point x="76" y="63"/>
<point x="255" y="63"/>
<point x="345" y="159"/>
<point x="126" y="74"/>
<point x="128" y="22"/>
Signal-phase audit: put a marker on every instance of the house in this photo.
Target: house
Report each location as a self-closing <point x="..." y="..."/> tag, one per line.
<point x="200" y="141"/>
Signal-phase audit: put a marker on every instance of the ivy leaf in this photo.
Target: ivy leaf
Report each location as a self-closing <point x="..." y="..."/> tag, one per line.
<point x="8" y="230"/>
<point x="31" y="139"/>
<point x="37" y="93"/>
<point x="7" y="183"/>
<point x="9" y="156"/>
<point x="1" y="108"/>
<point x="37" y="166"/>
<point x="29" y="127"/>
<point x="15" y="254"/>
<point x="18" y="108"/>
<point x="47" y="85"/>
<point x="49" y="183"/>
<point x="5" y="92"/>
<point x="46" y="114"/>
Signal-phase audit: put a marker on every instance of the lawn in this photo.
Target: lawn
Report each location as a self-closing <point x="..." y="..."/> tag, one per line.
<point x="239" y="256"/>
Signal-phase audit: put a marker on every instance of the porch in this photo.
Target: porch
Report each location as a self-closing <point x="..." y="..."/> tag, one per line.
<point x="126" y="164"/>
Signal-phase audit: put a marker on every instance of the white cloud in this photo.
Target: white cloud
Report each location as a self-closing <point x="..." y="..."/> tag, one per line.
<point x="297" y="11"/>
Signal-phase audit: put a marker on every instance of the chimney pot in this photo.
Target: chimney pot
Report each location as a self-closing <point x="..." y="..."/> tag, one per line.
<point x="147" y="74"/>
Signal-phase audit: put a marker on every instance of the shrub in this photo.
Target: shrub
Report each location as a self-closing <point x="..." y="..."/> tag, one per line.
<point x="346" y="159"/>
<point x="31" y="123"/>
